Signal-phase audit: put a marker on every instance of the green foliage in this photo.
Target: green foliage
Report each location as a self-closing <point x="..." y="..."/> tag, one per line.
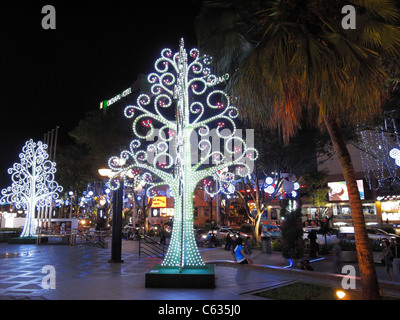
<point x="98" y="136"/>
<point x="74" y="168"/>
<point x="376" y="246"/>
<point x="316" y="186"/>
<point x="246" y="229"/>
<point x="295" y="60"/>
<point x="103" y="133"/>
<point x="276" y="245"/>
<point x="151" y="233"/>
<point x="347" y="245"/>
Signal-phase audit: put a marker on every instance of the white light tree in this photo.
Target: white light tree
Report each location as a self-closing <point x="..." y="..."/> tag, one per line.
<point x="189" y="113"/>
<point x="33" y="185"/>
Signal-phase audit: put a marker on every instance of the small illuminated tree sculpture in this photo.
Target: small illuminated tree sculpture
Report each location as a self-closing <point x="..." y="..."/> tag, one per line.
<point x="33" y="184"/>
<point x="184" y="108"/>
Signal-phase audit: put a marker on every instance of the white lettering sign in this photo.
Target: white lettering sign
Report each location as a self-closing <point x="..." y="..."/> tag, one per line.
<point x="107" y="103"/>
<point x="214" y="80"/>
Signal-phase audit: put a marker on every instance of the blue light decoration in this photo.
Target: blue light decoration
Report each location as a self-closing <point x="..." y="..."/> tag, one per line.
<point x="182" y="86"/>
<point x="288" y="188"/>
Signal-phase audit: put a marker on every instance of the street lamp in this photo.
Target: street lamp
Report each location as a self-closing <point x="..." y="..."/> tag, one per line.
<point x="71" y="199"/>
<point x="105" y="172"/>
<point x="116" y="240"/>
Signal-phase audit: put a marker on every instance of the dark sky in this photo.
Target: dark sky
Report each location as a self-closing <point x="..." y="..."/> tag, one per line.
<point x="53" y="77"/>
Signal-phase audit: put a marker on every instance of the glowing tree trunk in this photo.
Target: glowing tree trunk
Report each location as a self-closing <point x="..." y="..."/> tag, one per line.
<point x="33" y="184"/>
<point x="182" y="85"/>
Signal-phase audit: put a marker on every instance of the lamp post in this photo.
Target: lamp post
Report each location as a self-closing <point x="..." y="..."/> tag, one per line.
<point x="71" y="199"/>
<point x="116" y="239"/>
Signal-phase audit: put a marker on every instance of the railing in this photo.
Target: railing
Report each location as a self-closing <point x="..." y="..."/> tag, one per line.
<point x="92" y="238"/>
<point x="151" y="248"/>
<point x="74" y="237"/>
<point x="67" y="237"/>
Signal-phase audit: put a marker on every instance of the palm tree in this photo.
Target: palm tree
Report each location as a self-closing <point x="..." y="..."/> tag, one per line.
<point x="303" y="65"/>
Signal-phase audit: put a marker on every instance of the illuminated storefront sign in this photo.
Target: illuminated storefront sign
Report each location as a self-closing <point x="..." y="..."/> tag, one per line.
<point x="390" y="210"/>
<point x="167" y="212"/>
<point x="106" y="103"/>
<point x="159" y="202"/>
<point x="338" y="190"/>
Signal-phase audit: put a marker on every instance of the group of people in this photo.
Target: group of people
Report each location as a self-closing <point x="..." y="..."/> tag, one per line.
<point x="242" y="252"/>
<point x="391" y="258"/>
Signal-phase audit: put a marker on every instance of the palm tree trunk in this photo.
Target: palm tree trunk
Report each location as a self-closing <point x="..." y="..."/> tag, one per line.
<point x="369" y="281"/>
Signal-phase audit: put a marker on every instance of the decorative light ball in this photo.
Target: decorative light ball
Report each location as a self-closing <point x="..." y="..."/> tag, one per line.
<point x="269" y="180"/>
<point x="269" y="189"/>
<point x="394" y="153"/>
<point x="288" y="185"/>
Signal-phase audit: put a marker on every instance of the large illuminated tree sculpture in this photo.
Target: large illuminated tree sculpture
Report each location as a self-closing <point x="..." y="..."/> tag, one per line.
<point x="190" y="114"/>
<point x="33" y="184"/>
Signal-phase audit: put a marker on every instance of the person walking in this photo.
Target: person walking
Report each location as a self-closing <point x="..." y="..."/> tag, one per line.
<point x="387" y="258"/>
<point x="234" y="239"/>
<point x="228" y="243"/>
<point x="312" y="236"/>
<point x="337" y="255"/>
<point x="248" y="250"/>
<point x="163" y="237"/>
<point x="396" y="258"/>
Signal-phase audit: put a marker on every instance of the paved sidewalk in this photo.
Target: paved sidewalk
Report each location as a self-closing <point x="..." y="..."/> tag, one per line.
<point x="85" y="273"/>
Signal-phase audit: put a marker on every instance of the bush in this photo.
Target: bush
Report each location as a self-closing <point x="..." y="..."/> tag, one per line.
<point x="347" y="245"/>
<point x="292" y="234"/>
<point x="246" y="229"/>
<point x="376" y="246"/>
<point x="151" y="233"/>
<point x="276" y="245"/>
<point x="351" y="245"/>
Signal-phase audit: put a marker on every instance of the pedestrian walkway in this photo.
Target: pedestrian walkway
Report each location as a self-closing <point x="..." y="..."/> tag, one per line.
<point x="85" y="273"/>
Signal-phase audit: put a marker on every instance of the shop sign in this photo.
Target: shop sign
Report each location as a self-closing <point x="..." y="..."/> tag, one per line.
<point x="159" y="202"/>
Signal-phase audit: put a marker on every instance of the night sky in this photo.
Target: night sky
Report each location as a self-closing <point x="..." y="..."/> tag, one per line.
<point x="54" y="77"/>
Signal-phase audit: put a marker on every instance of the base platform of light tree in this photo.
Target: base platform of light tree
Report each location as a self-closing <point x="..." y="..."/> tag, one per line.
<point x="25" y="240"/>
<point x="190" y="277"/>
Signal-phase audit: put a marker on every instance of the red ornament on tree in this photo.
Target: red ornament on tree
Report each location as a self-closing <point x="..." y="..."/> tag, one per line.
<point x="146" y="123"/>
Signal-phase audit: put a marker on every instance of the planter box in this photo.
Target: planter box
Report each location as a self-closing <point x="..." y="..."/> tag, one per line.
<point x="164" y="277"/>
<point x="351" y="256"/>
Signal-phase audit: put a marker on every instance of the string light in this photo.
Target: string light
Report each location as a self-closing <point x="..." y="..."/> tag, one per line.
<point x="180" y="82"/>
<point x="33" y="185"/>
<point x="379" y="156"/>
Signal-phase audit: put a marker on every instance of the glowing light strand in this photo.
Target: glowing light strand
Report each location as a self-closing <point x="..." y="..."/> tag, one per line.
<point x="379" y="157"/>
<point x="176" y="84"/>
<point x="33" y="185"/>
